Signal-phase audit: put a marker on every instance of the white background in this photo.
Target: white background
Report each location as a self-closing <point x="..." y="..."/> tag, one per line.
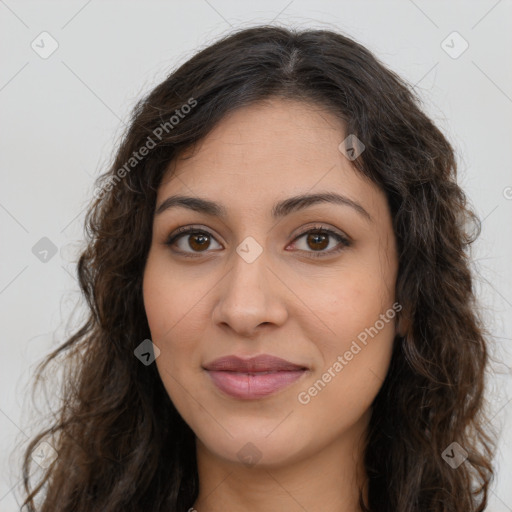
<point x="61" y="118"/>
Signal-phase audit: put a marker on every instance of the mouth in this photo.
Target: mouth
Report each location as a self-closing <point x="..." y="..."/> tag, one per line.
<point x="253" y="378"/>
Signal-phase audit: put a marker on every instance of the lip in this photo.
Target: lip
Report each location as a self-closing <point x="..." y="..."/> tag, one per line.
<point x="255" y="377"/>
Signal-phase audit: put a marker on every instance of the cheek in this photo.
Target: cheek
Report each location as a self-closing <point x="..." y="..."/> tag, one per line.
<point x="171" y="299"/>
<point x="355" y="351"/>
<point x="354" y="365"/>
<point x="157" y="298"/>
<point x="176" y="318"/>
<point x="353" y="300"/>
<point x="362" y="333"/>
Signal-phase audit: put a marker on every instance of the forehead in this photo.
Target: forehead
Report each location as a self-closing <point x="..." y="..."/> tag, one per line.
<point x="268" y="150"/>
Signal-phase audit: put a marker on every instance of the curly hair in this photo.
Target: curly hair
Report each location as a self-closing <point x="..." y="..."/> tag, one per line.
<point x="121" y="443"/>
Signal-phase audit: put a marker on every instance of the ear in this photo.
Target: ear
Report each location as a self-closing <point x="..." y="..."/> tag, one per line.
<point x="403" y="325"/>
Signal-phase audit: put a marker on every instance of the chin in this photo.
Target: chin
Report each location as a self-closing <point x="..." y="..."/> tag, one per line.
<point x="262" y="450"/>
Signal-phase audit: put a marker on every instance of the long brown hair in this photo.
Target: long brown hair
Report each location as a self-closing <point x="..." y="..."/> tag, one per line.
<point x="121" y="443"/>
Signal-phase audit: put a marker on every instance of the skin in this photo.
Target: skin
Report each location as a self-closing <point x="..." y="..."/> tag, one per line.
<point x="286" y="303"/>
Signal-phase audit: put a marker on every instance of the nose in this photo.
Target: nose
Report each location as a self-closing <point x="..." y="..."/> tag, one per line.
<point x="250" y="296"/>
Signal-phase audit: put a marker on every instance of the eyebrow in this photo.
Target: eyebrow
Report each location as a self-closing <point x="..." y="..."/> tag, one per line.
<point x="280" y="209"/>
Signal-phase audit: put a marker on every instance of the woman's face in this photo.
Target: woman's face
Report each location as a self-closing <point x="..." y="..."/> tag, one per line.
<point x="255" y="278"/>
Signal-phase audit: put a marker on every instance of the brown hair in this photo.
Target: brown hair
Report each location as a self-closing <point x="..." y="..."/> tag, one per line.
<point x="121" y="443"/>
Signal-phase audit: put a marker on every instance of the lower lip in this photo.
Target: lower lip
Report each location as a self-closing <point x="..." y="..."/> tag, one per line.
<point x="253" y="386"/>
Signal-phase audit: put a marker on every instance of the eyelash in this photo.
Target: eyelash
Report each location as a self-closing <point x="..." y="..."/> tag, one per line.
<point x="190" y="230"/>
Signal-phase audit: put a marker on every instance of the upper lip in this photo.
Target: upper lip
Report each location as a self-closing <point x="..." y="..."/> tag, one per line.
<point x="259" y="363"/>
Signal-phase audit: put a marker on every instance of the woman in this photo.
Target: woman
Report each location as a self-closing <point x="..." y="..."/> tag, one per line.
<point x="281" y="307"/>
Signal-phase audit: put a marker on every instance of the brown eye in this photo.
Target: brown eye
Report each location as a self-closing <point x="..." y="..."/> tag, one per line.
<point x="315" y="242"/>
<point x="190" y="241"/>
<point x="198" y="242"/>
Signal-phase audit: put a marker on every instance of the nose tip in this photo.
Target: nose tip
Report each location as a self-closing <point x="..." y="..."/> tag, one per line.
<point x="249" y="299"/>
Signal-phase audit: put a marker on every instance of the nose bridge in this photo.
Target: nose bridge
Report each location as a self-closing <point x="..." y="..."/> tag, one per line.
<point x="247" y="279"/>
<point x="248" y="297"/>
